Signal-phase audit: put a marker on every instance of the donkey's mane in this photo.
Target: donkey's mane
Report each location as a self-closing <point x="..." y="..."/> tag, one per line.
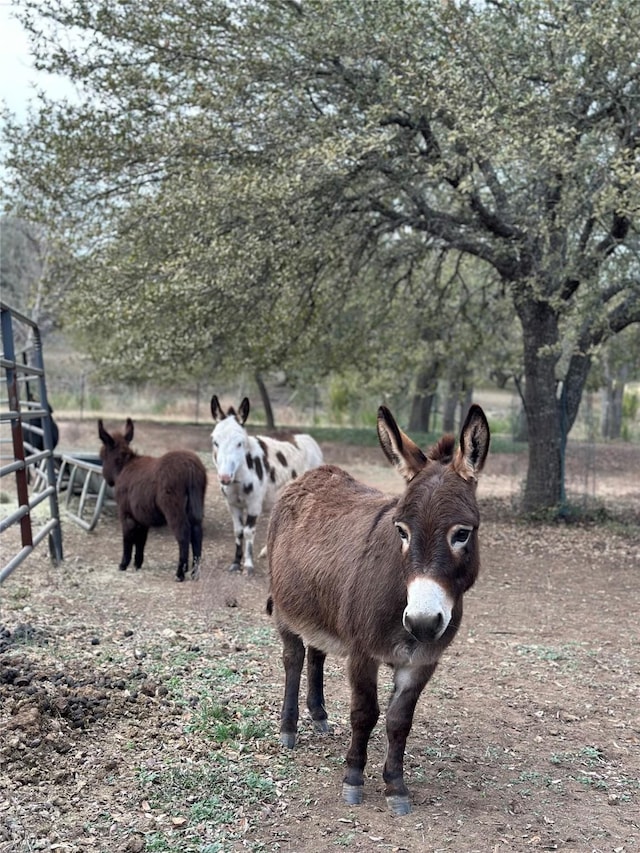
<point x="442" y="451"/>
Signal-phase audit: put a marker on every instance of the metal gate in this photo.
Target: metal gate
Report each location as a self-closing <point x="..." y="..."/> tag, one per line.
<point x="22" y="362"/>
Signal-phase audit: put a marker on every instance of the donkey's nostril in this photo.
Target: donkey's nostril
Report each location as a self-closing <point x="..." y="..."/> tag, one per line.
<point x="425" y="628"/>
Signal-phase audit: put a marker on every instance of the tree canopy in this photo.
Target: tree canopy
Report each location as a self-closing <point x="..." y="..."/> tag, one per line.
<point x="271" y="183"/>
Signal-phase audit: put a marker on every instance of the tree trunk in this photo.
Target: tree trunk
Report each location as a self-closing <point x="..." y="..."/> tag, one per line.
<point x="459" y="401"/>
<point x="266" y="401"/>
<point x="612" y="398"/>
<point x="449" y="409"/>
<point x="544" y="488"/>
<point x="521" y="427"/>
<point x="551" y="405"/>
<point x="615" y="420"/>
<point x="423" y="400"/>
<point x="465" y="402"/>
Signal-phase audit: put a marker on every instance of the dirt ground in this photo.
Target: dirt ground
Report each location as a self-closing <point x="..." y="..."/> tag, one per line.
<point x="141" y="714"/>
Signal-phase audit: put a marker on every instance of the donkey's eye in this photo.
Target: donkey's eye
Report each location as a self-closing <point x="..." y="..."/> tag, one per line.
<point x="403" y="532"/>
<point x="459" y="537"/>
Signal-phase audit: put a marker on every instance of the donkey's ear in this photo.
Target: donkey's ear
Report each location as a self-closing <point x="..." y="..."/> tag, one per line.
<point x="216" y="409"/>
<point x="128" y="431"/>
<point x="243" y="410"/>
<point x="403" y="453"/>
<point x="104" y="436"/>
<point x="474" y="444"/>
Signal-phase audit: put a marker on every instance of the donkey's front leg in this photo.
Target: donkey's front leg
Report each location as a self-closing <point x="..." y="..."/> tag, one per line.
<point x="183" y="537"/>
<point x="409" y="683"/>
<point x="238" y="531"/>
<point x="196" y="547"/>
<point x="127" y="551"/>
<point x="248" y="534"/>
<point x="140" y="541"/>
<point x="363" y="676"/>
<point x="293" y="659"/>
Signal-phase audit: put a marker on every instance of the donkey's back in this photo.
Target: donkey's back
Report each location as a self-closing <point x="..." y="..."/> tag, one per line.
<point x="325" y="543"/>
<point x="163" y="490"/>
<point x="284" y="460"/>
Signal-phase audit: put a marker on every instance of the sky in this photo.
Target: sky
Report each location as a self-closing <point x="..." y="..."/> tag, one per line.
<point x="17" y="76"/>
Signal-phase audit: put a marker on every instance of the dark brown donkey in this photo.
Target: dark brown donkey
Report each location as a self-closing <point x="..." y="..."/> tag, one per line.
<point x="152" y="492"/>
<point x="379" y="579"/>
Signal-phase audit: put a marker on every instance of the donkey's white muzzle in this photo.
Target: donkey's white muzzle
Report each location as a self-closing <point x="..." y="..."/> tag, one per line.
<point x="428" y="611"/>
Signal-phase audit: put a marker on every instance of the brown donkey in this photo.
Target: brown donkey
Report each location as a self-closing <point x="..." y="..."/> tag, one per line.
<point x="379" y="579"/>
<point x="152" y="492"/>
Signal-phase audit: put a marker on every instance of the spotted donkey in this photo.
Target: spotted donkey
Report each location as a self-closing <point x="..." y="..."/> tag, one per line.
<point x="251" y="471"/>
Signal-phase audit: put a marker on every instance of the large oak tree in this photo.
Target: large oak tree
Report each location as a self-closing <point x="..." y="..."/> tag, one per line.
<point x="270" y="165"/>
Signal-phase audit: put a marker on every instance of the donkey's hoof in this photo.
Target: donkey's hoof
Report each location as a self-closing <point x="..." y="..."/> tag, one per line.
<point x="122" y="568"/>
<point x="288" y="739"/>
<point x="179" y="578"/>
<point x="352" y="794"/>
<point x="195" y="573"/>
<point x="322" y="726"/>
<point x="399" y="804"/>
<point x="235" y="568"/>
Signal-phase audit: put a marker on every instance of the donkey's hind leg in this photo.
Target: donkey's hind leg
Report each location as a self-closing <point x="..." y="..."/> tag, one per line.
<point x="248" y="534"/>
<point x="131" y="542"/>
<point x="293" y="659"/>
<point x="181" y="531"/>
<point x="196" y="547"/>
<point x="315" y="689"/>
<point x="139" y="541"/>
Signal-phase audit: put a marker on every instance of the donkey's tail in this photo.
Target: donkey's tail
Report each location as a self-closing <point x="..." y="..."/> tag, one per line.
<point x="196" y="489"/>
<point x="269" y="607"/>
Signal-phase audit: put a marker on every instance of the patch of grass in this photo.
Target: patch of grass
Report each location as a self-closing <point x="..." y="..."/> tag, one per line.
<point x="210" y="809"/>
<point x="565" y="654"/>
<point x="215" y="721"/>
<point x="259" y="635"/>
<point x="345" y="840"/>
<point x="588" y="756"/>
<point x="592" y="780"/>
<point x="535" y="779"/>
<point x="493" y="753"/>
<point x="156" y="842"/>
<point x="216" y="791"/>
<point x="590" y="768"/>
<point x="20" y="593"/>
<point x="216" y="799"/>
<point x="438" y="752"/>
<point x="215" y="681"/>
